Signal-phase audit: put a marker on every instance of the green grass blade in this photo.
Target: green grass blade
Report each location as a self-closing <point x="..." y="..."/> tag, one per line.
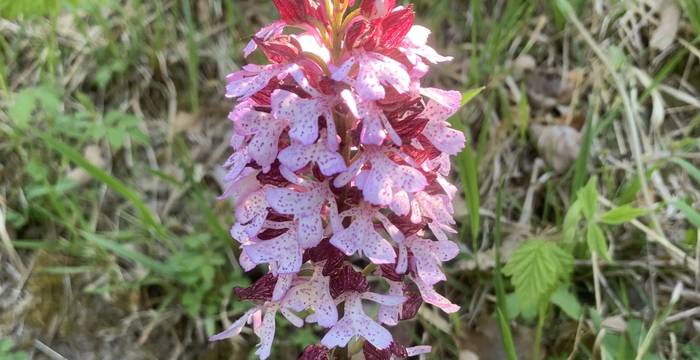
<point x="192" y="57"/>
<point x="691" y="214"/>
<point x="129" y="254"/>
<point x="147" y="216"/>
<point x="501" y="306"/>
<point x="468" y="174"/>
<point x="690" y="168"/>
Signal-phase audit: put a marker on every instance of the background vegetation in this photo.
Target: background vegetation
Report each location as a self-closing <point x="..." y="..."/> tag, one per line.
<point x="113" y="125"/>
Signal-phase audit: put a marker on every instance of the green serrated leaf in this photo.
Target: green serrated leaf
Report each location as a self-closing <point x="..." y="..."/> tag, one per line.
<point x="537" y="268"/>
<point x="596" y="241"/>
<point x="621" y="215"/>
<point x="588" y="196"/>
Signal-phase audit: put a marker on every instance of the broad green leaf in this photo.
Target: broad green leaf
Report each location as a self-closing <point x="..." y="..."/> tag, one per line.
<point x="621" y="215"/>
<point x="588" y="196"/>
<point x="596" y="241"/>
<point x="566" y="301"/>
<point x="537" y="268"/>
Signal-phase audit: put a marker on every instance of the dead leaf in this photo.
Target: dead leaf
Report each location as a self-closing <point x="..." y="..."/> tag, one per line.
<point x="665" y="33"/>
<point x="183" y="122"/>
<point x="93" y="154"/>
<point x="484" y="341"/>
<point x="658" y="111"/>
<point x="615" y="323"/>
<point x="559" y="145"/>
<point x="548" y="89"/>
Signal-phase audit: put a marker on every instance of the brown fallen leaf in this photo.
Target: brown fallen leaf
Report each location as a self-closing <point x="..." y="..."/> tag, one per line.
<point x="665" y="34"/>
<point x="93" y="154"/>
<point x="559" y="145"/>
<point x="183" y="122"/>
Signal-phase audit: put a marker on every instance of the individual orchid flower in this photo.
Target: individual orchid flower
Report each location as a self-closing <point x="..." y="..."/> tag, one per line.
<point x="431" y="296"/>
<point x="297" y="156"/>
<point x="282" y="252"/>
<point x="314" y="294"/>
<point x="386" y="183"/>
<point x="265" y="131"/>
<point x="306" y="206"/>
<point x="442" y="106"/>
<point x="341" y="157"/>
<point x="374" y="71"/>
<point x="427" y="257"/>
<point x="253" y="78"/>
<point x="355" y="323"/>
<point x="362" y="237"/>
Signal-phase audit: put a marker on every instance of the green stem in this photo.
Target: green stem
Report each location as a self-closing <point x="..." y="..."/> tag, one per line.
<point x="542" y="314"/>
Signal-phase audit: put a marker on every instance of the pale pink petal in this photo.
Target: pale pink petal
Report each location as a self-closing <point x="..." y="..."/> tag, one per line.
<point x="265" y="33"/>
<point x="430" y="296"/>
<point x="235" y="328"/>
<point x="387" y="177"/>
<point x="352" y="170"/>
<point x="284" y="282"/>
<point x="351" y="102"/>
<point x="375" y="71"/>
<point x="438" y="131"/>
<point x="356" y="323"/>
<point x="314" y="294"/>
<point x="291" y="202"/>
<point x="253" y="78"/>
<point x="266" y="131"/>
<point x="295" y="320"/>
<point x="415" y="45"/>
<point x="373" y="132"/>
<point x="266" y="333"/>
<point x="428" y="256"/>
<point x="449" y="99"/>
<point x="419" y="350"/>
<point x="390" y="314"/>
<point x="310" y="44"/>
<point x="297" y="156"/>
<point x="388" y="300"/>
<point x="282" y="251"/>
<point x="342" y="73"/>
<point x="302" y="114"/>
<point x="310" y="231"/>
<point x="361" y="236"/>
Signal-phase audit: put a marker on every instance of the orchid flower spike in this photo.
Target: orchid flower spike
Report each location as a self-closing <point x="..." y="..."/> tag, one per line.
<point x="341" y="157"/>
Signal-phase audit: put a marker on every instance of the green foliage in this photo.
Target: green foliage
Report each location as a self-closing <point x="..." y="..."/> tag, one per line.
<point x="586" y="206"/>
<point x="29" y="100"/>
<point x="568" y="302"/>
<point x="195" y="267"/>
<point x="117" y="126"/>
<point x="7" y="351"/>
<point x="537" y="268"/>
<point x="691" y="9"/>
<point x="468" y="171"/>
<point x="29" y="8"/>
<point x="596" y="240"/>
<point x="621" y="215"/>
